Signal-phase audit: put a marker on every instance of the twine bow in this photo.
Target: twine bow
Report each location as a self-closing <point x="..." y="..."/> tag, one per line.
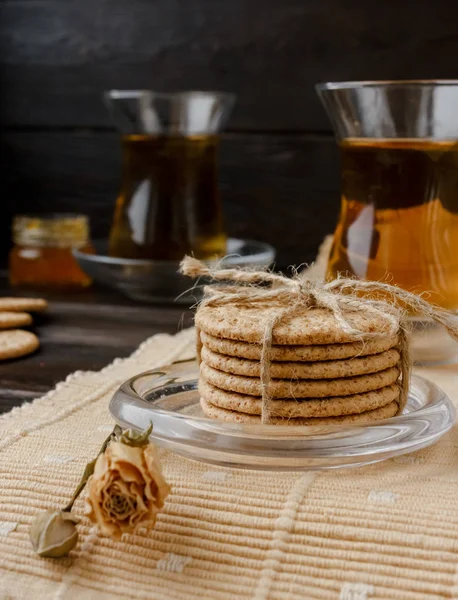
<point x="341" y="297"/>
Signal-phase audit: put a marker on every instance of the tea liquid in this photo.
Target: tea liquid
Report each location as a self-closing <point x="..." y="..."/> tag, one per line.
<point x="169" y="203"/>
<point x="399" y="215"/>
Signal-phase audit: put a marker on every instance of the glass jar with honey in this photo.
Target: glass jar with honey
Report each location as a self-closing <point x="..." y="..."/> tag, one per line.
<point x="42" y="254"/>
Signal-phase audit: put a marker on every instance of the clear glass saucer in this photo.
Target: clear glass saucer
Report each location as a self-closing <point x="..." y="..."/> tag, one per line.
<point x="169" y="398"/>
<point x="159" y="281"/>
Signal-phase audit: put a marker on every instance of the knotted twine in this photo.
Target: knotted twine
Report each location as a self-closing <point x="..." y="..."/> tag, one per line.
<point x="340" y="296"/>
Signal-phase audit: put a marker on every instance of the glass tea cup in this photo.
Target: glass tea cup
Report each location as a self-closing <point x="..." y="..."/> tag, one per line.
<point x="169" y="203"/>
<point x="398" y="220"/>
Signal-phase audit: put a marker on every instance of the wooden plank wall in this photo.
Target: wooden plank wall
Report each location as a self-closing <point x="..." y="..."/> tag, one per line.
<point x="279" y="163"/>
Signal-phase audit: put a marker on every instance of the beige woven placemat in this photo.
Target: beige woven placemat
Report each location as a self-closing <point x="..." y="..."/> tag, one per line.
<point x="385" y="531"/>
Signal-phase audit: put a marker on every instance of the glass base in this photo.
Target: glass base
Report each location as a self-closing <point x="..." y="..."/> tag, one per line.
<point x="430" y="344"/>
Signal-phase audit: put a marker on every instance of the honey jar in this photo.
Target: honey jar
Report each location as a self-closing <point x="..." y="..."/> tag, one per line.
<point x="42" y="253"/>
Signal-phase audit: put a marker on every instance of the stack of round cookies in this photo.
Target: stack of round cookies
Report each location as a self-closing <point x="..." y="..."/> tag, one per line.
<point x="319" y="374"/>
<point x="17" y="342"/>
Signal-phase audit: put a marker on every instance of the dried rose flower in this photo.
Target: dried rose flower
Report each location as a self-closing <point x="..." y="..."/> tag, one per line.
<point x="126" y="489"/>
<point x="54" y="534"/>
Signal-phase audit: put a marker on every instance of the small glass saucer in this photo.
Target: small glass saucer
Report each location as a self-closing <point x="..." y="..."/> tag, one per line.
<point x="169" y="399"/>
<point x="159" y="281"/>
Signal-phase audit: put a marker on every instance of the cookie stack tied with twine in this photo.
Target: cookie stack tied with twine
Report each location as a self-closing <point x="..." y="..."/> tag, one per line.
<point x="289" y="351"/>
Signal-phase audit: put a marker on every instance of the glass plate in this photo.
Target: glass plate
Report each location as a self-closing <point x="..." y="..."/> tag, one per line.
<point x="169" y="398"/>
<point x="158" y="281"/>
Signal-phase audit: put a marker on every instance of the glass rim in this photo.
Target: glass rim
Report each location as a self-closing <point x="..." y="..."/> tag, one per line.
<point x="343" y="85"/>
<point x="130" y="94"/>
<point x="62" y="230"/>
<point x="50" y="217"/>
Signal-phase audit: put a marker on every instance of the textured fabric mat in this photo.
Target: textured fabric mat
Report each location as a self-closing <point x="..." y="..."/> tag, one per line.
<point x="385" y="531"/>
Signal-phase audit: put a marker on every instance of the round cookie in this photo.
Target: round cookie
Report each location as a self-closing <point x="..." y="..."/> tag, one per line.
<point x="293" y="370"/>
<point x="306" y="388"/>
<point x="323" y="407"/>
<point x="385" y="412"/>
<point x="23" y="304"/>
<point x="252" y="351"/>
<point x="10" y="320"/>
<point x="17" y="343"/>
<point x="309" y="326"/>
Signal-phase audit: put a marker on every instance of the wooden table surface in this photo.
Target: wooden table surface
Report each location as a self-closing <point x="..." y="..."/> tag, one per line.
<point x="83" y="331"/>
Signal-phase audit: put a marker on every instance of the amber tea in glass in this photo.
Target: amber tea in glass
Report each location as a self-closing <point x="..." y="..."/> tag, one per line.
<point x="399" y="182"/>
<point x="399" y="215"/>
<point x="169" y="203"/>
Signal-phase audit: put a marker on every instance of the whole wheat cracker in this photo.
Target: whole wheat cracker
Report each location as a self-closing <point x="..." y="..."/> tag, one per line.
<point x="310" y="407"/>
<point x="298" y="353"/>
<point x="307" y="326"/>
<point x="11" y="320"/>
<point x="385" y="412"/>
<point x="331" y="369"/>
<point x="16" y="342"/>
<point x="23" y="304"/>
<point x="305" y="388"/>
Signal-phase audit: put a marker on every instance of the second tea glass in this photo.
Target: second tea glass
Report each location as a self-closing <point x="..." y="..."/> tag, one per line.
<point x="169" y="203"/>
<point x="398" y="220"/>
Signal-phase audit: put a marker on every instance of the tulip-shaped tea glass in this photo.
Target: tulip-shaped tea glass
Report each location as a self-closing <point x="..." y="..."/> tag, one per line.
<point x="398" y="221"/>
<point x="169" y="203"/>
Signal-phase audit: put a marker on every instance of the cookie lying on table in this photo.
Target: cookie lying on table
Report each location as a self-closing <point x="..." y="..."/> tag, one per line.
<point x="16" y="342"/>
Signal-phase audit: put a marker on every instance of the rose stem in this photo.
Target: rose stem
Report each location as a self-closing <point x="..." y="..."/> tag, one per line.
<point x="89" y="469"/>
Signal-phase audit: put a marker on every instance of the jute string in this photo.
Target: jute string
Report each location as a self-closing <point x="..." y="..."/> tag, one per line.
<point x="341" y="297"/>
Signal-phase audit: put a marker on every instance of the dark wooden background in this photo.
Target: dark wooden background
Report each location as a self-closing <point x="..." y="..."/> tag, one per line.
<point x="279" y="165"/>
